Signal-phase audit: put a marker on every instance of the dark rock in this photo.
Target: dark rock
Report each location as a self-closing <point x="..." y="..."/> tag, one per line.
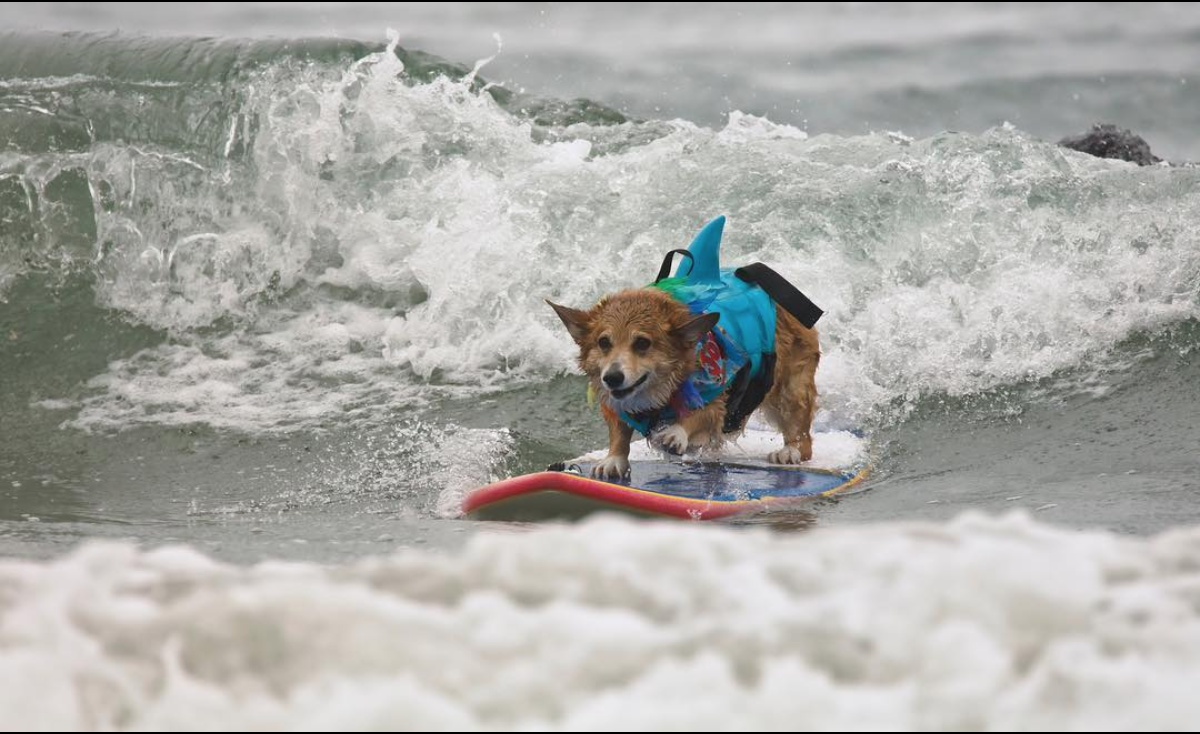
<point x="1110" y="141"/>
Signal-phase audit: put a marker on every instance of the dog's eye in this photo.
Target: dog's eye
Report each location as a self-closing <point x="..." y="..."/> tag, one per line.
<point x="605" y="343"/>
<point x="641" y="344"/>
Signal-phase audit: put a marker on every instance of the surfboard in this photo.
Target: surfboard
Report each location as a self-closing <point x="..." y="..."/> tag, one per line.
<point x="731" y="482"/>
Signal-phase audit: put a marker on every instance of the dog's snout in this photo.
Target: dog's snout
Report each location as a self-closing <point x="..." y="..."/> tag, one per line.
<point x="614" y="377"/>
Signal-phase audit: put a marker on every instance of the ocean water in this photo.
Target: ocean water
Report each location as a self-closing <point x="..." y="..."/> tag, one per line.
<point x="271" y="301"/>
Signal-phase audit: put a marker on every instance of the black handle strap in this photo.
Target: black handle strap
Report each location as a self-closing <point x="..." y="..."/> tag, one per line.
<point x="665" y="270"/>
<point x="781" y="292"/>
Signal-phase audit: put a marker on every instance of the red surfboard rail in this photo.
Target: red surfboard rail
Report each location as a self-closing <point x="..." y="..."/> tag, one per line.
<point x="624" y="497"/>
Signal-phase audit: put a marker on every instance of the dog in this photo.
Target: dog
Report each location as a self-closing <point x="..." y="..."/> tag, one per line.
<point x="638" y="346"/>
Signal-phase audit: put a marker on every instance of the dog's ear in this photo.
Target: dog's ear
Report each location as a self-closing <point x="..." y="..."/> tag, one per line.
<point x="697" y="327"/>
<point x="577" y="322"/>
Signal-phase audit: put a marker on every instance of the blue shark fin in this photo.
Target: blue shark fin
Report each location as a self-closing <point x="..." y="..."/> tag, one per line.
<point x="706" y="253"/>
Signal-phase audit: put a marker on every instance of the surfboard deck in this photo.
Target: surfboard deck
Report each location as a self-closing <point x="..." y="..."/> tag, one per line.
<point x="687" y="490"/>
<point x="734" y="479"/>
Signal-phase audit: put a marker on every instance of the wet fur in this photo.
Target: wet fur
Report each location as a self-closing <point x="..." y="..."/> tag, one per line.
<point x="673" y="331"/>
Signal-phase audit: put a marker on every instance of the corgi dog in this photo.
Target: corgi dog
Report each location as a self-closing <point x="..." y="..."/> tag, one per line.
<point x="641" y="347"/>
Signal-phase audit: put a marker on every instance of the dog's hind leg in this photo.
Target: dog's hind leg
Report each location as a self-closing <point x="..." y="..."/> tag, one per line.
<point x="791" y="403"/>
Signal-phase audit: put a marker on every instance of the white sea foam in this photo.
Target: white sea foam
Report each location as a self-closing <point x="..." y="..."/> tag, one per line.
<point x="834" y="450"/>
<point x="976" y="624"/>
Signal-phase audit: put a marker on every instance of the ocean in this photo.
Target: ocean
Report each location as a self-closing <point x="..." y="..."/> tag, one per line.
<point x="272" y="282"/>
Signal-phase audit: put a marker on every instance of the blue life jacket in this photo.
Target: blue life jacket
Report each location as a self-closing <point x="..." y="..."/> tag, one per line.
<point x="738" y="356"/>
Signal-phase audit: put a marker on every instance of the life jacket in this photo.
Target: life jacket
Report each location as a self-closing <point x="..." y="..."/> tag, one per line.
<point x="737" y="357"/>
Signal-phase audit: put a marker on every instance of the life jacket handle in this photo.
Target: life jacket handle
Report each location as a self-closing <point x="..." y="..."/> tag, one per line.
<point x="665" y="270"/>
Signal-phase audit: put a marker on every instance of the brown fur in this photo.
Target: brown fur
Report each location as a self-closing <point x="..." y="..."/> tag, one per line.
<point x="672" y="331"/>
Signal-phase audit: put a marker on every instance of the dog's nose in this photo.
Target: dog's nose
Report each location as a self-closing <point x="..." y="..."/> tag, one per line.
<point x="614" y="378"/>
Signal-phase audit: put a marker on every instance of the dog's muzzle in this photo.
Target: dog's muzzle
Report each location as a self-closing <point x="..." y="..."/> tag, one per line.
<point x="626" y="391"/>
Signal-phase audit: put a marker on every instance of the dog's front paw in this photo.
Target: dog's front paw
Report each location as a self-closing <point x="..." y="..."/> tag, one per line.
<point x="787" y="455"/>
<point x="674" y="439"/>
<point x="611" y="467"/>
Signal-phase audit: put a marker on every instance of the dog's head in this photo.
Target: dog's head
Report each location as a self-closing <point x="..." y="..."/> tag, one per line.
<point x="637" y="346"/>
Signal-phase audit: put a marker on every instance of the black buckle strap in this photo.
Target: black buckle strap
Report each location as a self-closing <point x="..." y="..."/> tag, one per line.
<point x="781" y="292"/>
<point x="746" y="394"/>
